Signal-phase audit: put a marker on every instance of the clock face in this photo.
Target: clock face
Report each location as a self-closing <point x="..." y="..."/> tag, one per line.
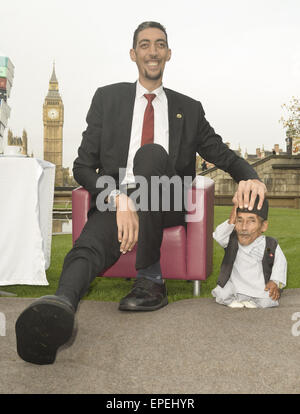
<point x="53" y="113"/>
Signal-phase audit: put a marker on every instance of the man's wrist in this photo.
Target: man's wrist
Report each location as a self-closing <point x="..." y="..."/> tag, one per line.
<point x="279" y="284"/>
<point x="232" y="217"/>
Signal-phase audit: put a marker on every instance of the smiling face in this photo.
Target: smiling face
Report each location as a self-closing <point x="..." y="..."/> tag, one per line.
<point x="249" y="226"/>
<point x="151" y="54"/>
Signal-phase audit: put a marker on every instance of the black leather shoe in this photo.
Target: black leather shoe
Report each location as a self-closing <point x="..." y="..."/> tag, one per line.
<point x="145" y="296"/>
<point x="43" y="327"/>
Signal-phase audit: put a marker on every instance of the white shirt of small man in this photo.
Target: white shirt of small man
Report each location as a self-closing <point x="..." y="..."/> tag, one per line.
<point x="246" y="285"/>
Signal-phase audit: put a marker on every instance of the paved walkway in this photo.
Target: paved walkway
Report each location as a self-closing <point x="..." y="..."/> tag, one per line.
<point x="191" y="346"/>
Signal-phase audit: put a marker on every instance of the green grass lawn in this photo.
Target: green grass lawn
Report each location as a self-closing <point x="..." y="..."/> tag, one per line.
<point x="284" y="225"/>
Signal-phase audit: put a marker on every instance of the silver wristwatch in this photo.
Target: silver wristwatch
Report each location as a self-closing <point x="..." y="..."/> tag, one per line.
<point x="112" y="197"/>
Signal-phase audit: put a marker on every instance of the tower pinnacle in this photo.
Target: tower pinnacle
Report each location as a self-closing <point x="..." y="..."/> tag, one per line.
<point x="53" y="76"/>
<point x="53" y="85"/>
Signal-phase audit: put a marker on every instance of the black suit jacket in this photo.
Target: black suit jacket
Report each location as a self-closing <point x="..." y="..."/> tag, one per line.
<point x="105" y="142"/>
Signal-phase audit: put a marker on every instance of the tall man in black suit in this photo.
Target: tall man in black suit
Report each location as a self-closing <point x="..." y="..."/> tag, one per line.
<point x="148" y="131"/>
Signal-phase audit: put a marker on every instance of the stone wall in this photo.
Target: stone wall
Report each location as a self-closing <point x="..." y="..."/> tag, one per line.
<point x="280" y="173"/>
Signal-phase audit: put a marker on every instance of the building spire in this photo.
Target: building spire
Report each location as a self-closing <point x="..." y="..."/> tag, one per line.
<point x="53" y="85"/>
<point x="53" y="76"/>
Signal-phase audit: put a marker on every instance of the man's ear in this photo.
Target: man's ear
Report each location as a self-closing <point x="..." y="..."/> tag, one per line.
<point x="169" y="55"/>
<point x="264" y="226"/>
<point x="132" y="55"/>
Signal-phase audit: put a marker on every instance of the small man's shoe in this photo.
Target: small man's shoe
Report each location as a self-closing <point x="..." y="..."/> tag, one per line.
<point x="249" y="304"/>
<point x="236" y="304"/>
<point x="43" y="327"/>
<point x="145" y="296"/>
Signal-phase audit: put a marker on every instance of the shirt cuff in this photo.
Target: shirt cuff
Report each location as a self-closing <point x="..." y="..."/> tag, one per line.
<point x="280" y="285"/>
<point x="223" y="232"/>
<point x="225" y="227"/>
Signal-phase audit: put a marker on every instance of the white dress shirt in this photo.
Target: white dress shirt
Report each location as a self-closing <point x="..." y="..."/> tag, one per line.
<point x="247" y="273"/>
<point x="161" y="125"/>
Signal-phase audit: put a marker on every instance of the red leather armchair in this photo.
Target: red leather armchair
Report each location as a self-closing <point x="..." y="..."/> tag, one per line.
<point x="185" y="253"/>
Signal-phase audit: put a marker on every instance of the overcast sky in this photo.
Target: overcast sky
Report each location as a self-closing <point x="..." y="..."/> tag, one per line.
<point x="240" y="58"/>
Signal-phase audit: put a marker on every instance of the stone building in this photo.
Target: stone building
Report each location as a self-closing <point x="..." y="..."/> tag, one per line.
<point x="280" y="173"/>
<point x="18" y="141"/>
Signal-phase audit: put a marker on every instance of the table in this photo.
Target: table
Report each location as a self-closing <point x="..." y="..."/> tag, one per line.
<point x="26" y="202"/>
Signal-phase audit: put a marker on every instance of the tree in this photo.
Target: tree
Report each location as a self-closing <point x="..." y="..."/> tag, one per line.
<point x="292" y="123"/>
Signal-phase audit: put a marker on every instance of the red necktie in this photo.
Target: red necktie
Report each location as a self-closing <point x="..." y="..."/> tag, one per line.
<point x="148" y="125"/>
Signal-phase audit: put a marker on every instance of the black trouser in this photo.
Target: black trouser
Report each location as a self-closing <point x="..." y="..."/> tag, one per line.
<point x="98" y="247"/>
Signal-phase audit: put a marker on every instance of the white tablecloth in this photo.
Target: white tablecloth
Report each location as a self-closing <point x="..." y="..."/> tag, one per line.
<point x="26" y="202"/>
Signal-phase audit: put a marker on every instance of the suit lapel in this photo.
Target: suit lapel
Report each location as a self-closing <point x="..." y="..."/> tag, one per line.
<point x="126" y="124"/>
<point x="176" y="118"/>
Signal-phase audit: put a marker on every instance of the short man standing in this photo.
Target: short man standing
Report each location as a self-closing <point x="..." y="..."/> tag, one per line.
<point x="148" y="131"/>
<point x="254" y="268"/>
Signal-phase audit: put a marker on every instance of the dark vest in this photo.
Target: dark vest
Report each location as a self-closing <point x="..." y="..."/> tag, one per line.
<point x="231" y="252"/>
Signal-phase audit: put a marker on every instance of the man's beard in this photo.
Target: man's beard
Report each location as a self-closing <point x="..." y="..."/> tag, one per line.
<point x="153" y="77"/>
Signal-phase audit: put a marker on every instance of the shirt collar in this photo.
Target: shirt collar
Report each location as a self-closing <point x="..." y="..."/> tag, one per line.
<point x="257" y="243"/>
<point x="140" y="91"/>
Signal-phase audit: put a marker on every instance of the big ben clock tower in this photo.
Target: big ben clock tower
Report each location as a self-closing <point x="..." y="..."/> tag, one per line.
<point x="53" y="118"/>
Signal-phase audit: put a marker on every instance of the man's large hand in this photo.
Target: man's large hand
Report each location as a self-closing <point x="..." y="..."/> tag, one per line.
<point x="243" y="191"/>
<point x="127" y="222"/>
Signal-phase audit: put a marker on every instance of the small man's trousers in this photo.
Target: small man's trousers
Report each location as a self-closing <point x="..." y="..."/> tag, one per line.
<point x="227" y="294"/>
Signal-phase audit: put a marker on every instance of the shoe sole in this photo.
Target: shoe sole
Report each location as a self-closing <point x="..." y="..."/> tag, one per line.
<point x="143" y="308"/>
<point x="41" y="329"/>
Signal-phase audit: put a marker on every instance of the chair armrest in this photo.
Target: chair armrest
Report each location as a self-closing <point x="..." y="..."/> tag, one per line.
<point x="81" y="200"/>
<point x="200" y="221"/>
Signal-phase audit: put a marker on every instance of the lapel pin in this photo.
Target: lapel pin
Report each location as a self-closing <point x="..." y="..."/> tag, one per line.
<point x="179" y="116"/>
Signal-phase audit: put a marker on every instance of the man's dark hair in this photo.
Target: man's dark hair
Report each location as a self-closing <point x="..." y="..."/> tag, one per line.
<point x="147" y="25"/>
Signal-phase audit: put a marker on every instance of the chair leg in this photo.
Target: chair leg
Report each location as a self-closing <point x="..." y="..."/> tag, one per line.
<point x="197" y="287"/>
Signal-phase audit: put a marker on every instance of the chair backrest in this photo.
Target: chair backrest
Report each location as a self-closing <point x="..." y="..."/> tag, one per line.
<point x="200" y="222"/>
<point x="198" y="242"/>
